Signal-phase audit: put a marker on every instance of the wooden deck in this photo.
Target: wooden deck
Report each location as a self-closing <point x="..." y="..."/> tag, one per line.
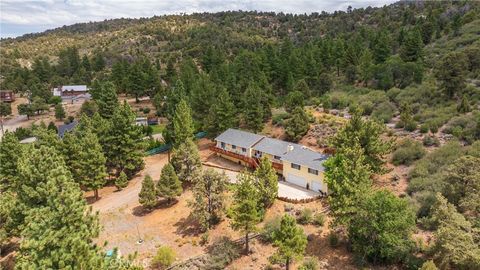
<point x="253" y="162"/>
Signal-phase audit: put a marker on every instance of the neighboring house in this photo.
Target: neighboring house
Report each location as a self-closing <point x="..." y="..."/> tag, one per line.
<point x="29" y="140"/>
<point x="141" y="121"/>
<point x="295" y="163"/>
<point x="66" y="128"/>
<point x="7" y="96"/>
<point x="70" y="90"/>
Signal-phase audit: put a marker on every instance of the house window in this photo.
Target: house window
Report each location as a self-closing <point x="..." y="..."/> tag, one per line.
<point x="234" y="146"/>
<point x="312" y="171"/>
<point x="277" y="158"/>
<point x="222" y="145"/>
<point x="295" y="166"/>
<point x="244" y="149"/>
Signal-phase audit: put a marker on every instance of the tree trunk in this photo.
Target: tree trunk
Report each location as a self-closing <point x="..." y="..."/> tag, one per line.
<point x="246" y="243"/>
<point x="287" y="264"/>
<point x="168" y="155"/>
<point x="96" y="194"/>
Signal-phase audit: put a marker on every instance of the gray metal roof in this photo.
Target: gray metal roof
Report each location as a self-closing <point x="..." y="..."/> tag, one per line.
<point x="297" y="153"/>
<point x="66" y="128"/>
<point x="306" y="157"/>
<point x="239" y="138"/>
<point x="272" y="146"/>
<point x="74" y="88"/>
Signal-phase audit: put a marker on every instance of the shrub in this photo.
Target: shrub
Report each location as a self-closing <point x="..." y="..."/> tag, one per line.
<point x="410" y="126"/>
<point x="164" y="258"/>
<point x="69" y="119"/>
<point x="146" y="110"/>
<point x="424" y="128"/>
<point x="309" y="264"/>
<point x="407" y="152"/>
<point x="270" y="227"/>
<point x="54" y="100"/>
<point x="333" y="240"/>
<point x="306" y="216"/>
<point x="430" y="140"/>
<point x="222" y="252"/>
<point x="383" y="112"/>
<point x="319" y="219"/>
<point x="204" y="239"/>
<point x="279" y="119"/>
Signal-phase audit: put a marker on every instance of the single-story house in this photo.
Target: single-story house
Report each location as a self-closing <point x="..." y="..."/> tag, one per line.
<point x="7" y="96"/>
<point x="295" y="163"/>
<point x="70" y="90"/>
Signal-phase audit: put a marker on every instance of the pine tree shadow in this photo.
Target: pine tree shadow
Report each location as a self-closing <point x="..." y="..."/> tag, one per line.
<point x="188" y="227"/>
<point x="141" y="211"/>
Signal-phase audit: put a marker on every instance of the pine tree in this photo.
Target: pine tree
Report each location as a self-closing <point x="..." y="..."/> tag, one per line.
<point x="169" y="186"/>
<point x="455" y="244"/>
<point x="297" y="126"/>
<point x="290" y="240"/>
<point x="122" y="144"/>
<point x="222" y="114"/>
<point x="147" y="196"/>
<point x="267" y="182"/>
<point x="182" y="124"/>
<point x="57" y="229"/>
<point x="464" y="105"/>
<point x="10" y="154"/>
<point x="293" y="100"/>
<point x="171" y="73"/>
<point x="348" y="178"/>
<point x="412" y="47"/>
<point x="302" y="87"/>
<point x="367" y="133"/>
<point x="366" y="66"/>
<point x="121" y="181"/>
<point x="380" y="229"/>
<point x="253" y="108"/>
<point x="245" y="215"/>
<point x="208" y="198"/>
<point x="59" y="112"/>
<point x="107" y="100"/>
<point x="381" y="47"/>
<point x="92" y="163"/>
<point x="186" y="161"/>
<point x="451" y="73"/>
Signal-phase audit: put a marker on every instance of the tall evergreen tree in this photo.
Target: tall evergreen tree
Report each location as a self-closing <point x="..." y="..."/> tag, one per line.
<point x="169" y="186"/>
<point x="348" y="178"/>
<point x="57" y="229"/>
<point x="122" y="142"/>
<point x="290" y="240"/>
<point x="253" y="112"/>
<point x="222" y="114"/>
<point x="451" y="73"/>
<point x="412" y="46"/>
<point x="297" y="126"/>
<point x="148" y="196"/>
<point x="367" y="133"/>
<point x="187" y="163"/>
<point x="245" y="215"/>
<point x="182" y="124"/>
<point x="208" y="198"/>
<point x="267" y="182"/>
<point x="106" y="99"/>
<point x="366" y="66"/>
<point x="92" y="162"/>
<point x="10" y="155"/>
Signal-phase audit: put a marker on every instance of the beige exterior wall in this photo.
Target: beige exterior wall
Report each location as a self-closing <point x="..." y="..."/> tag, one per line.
<point x="238" y="150"/>
<point x="303" y="172"/>
<point x="270" y="157"/>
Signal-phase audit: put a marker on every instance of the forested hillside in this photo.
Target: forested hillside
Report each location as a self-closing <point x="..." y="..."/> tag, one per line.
<point x="412" y="66"/>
